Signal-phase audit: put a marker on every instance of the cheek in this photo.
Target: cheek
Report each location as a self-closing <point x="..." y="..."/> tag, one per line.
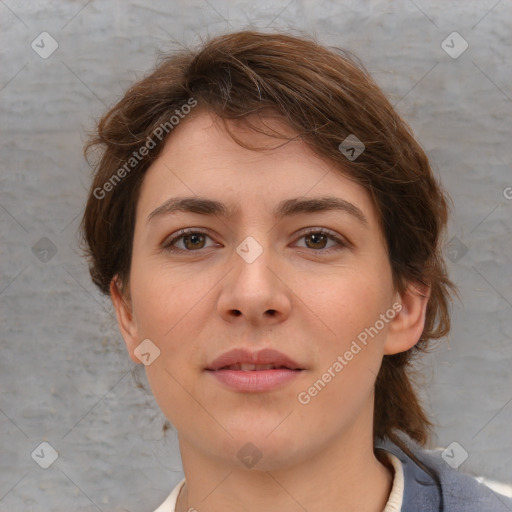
<point x="161" y="298"/>
<point x="162" y="317"/>
<point x="355" y="300"/>
<point x="166" y="308"/>
<point x="353" y="308"/>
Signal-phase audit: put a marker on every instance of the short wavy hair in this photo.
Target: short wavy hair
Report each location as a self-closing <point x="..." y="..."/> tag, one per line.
<point x="325" y="96"/>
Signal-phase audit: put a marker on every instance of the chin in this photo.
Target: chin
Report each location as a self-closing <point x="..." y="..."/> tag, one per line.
<point x="259" y="451"/>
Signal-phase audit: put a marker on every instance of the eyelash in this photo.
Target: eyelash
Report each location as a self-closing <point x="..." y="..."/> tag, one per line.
<point x="168" y="245"/>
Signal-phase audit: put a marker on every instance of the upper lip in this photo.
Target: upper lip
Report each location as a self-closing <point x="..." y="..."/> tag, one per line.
<point x="244" y="356"/>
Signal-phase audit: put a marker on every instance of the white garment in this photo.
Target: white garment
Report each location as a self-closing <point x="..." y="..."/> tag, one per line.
<point x="396" y="495"/>
<point x="394" y="503"/>
<point x="169" y="505"/>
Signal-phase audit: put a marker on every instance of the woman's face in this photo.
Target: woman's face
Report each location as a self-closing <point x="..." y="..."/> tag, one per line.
<point x="275" y="270"/>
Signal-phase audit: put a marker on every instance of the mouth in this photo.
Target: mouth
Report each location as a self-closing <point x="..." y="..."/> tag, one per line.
<point x="242" y="359"/>
<point x="247" y="367"/>
<point x="254" y="372"/>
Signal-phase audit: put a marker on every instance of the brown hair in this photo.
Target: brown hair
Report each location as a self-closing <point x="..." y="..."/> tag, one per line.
<point x="324" y="96"/>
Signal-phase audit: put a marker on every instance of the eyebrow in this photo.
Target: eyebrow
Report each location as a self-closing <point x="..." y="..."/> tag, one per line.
<point x="285" y="208"/>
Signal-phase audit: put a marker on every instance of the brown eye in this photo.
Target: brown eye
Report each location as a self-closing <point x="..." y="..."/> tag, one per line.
<point x="190" y="241"/>
<point x="317" y="240"/>
<point x="195" y="240"/>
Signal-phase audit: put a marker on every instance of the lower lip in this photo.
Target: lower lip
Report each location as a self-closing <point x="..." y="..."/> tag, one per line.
<point x="256" y="380"/>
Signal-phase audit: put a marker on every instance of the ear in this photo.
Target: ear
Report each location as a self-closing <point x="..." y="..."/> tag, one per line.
<point x="125" y="319"/>
<point x="407" y="326"/>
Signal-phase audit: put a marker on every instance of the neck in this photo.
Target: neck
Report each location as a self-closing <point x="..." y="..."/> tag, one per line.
<point x="345" y="475"/>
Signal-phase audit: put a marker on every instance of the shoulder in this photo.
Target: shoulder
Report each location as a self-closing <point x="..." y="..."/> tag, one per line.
<point x="431" y="485"/>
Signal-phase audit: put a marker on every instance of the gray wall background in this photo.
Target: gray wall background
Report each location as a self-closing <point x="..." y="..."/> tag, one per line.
<point x="65" y="377"/>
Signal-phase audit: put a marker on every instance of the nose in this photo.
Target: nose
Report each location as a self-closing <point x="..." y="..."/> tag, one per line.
<point x="255" y="291"/>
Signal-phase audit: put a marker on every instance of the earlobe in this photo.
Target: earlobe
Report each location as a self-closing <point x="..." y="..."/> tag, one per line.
<point x="407" y="326"/>
<point x="125" y="319"/>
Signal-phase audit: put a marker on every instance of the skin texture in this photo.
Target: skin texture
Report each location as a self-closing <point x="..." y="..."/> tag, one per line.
<point x="297" y="297"/>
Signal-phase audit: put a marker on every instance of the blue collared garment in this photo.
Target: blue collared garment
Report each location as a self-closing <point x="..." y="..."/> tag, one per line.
<point x="443" y="490"/>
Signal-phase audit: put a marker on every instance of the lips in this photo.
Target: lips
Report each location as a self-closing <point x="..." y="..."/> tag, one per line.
<point x="247" y="367"/>
<point x="243" y="371"/>
<point x="245" y="360"/>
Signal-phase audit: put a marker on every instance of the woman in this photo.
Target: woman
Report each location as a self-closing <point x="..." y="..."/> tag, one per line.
<point x="269" y="232"/>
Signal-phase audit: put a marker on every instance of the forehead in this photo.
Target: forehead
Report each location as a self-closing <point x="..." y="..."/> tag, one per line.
<point x="200" y="158"/>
